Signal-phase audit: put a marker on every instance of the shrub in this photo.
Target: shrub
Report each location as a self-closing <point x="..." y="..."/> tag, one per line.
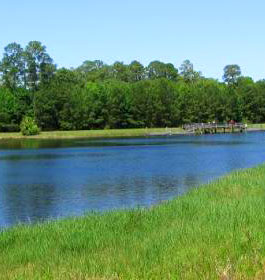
<point x="28" y="126"/>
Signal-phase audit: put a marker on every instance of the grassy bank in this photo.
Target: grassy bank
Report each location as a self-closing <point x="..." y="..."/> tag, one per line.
<point x="213" y="232"/>
<point x="133" y="132"/>
<point x="93" y="133"/>
<point x="258" y="126"/>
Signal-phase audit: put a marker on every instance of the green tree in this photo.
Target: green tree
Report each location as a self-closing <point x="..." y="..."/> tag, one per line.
<point x="40" y="67"/>
<point x="52" y="101"/>
<point x="12" y="66"/>
<point x="9" y="108"/>
<point x="120" y="71"/>
<point x="95" y="102"/>
<point x="118" y="104"/>
<point x="188" y="73"/>
<point x="90" y="66"/>
<point x="231" y="74"/>
<point x="157" y="69"/>
<point x="95" y="70"/>
<point x="136" y="71"/>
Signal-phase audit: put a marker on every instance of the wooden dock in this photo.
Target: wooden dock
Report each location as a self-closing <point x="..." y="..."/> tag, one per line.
<point x="212" y="128"/>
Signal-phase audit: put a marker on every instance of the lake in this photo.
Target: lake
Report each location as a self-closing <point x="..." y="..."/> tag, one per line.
<point x="47" y="179"/>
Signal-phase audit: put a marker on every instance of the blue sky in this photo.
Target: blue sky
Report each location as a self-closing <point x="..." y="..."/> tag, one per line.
<point x="210" y="33"/>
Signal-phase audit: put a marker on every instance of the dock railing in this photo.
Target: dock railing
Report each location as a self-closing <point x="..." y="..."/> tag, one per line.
<point x="193" y="127"/>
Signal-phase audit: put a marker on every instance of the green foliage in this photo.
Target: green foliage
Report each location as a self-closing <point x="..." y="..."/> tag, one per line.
<point x="231" y="73"/>
<point x="75" y="104"/>
<point x="136" y="71"/>
<point x="97" y="96"/>
<point x="12" y="66"/>
<point x="188" y="73"/>
<point x="40" y="67"/>
<point x="29" y="127"/>
<point x="27" y="67"/>
<point x="11" y="110"/>
<point x="157" y="69"/>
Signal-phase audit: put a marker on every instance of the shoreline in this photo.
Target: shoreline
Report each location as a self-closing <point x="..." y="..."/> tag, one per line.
<point x="214" y="230"/>
<point x="109" y="133"/>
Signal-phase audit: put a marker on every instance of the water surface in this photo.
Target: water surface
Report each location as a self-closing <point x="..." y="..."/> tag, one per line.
<point x="43" y="179"/>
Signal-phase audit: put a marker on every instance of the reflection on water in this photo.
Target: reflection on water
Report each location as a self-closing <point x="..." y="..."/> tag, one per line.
<point x="41" y="179"/>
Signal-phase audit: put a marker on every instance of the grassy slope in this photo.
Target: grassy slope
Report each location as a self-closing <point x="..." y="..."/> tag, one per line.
<point x="93" y="133"/>
<point x="213" y="232"/>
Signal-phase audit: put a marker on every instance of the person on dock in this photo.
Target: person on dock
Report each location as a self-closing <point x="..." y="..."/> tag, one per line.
<point x="232" y="122"/>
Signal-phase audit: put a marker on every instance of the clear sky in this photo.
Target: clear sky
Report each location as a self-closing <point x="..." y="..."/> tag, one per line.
<point x="210" y="33"/>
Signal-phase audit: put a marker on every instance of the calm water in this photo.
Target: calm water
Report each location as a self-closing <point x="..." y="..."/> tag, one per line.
<point x="49" y="179"/>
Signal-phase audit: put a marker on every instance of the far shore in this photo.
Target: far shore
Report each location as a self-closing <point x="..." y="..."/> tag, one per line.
<point x="104" y="133"/>
<point x="108" y="133"/>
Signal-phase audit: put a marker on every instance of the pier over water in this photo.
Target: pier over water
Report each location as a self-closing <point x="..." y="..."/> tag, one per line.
<point x="204" y="128"/>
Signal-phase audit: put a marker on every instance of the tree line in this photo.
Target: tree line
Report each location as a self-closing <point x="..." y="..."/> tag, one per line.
<point x="98" y="96"/>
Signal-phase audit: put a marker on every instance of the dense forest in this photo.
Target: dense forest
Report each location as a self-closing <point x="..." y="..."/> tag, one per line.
<point x="97" y="96"/>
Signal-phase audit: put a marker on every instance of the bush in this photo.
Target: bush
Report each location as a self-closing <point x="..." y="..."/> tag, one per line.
<point x="28" y="126"/>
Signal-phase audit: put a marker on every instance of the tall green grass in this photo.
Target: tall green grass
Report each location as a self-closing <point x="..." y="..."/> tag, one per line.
<point x="216" y="231"/>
